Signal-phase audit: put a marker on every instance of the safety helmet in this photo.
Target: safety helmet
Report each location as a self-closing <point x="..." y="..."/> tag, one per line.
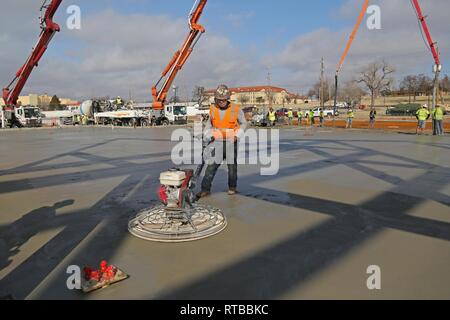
<point x="425" y="106"/>
<point x="222" y="93"/>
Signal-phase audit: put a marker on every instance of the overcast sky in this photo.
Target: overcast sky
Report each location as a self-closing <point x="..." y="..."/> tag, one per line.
<point x="123" y="45"/>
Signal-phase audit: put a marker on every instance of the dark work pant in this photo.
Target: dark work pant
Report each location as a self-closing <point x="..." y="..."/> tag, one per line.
<point x="211" y="170"/>
<point x="438" y="127"/>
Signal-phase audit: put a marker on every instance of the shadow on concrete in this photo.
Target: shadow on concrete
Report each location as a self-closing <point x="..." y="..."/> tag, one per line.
<point x="16" y="234"/>
<point x="267" y="274"/>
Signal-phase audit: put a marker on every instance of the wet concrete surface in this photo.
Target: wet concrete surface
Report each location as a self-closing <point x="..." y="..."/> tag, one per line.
<point x="341" y="202"/>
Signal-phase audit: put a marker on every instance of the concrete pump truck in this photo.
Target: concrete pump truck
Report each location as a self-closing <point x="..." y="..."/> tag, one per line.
<point x="13" y="114"/>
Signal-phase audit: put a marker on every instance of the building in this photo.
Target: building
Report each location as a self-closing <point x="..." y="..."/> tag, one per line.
<point x="259" y="95"/>
<point x="41" y="100"/>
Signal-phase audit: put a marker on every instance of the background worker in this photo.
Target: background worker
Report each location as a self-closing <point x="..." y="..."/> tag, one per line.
<point x="372" y="117"/>
<point x="307" y="117"/>
<point x="226" y="121"/>
<point x="290" y="115"/>
<point x="350" y="116"/>
<point x="422" y="116"/>
<point x="311" y="117"/>
<point x="300" y="117"/>
<point x="321" y="117"/>
<point x="272" y="116"/>
<point x="119" y="101"/>
<point x="438" y="118"/>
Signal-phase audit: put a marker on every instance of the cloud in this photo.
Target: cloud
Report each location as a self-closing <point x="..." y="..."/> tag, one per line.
<point x="114" y="54"/>
<point x="399" y="42"/>
<point x="237" y="19"/>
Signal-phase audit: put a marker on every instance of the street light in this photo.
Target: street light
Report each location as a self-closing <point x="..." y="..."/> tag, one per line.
<point x="175" y="89"/>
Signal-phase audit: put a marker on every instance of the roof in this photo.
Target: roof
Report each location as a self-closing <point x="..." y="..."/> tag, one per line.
<point x="251" y="89"/>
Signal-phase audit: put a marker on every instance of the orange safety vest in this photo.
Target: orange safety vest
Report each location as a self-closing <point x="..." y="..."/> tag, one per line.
<point x="227" y="127"/>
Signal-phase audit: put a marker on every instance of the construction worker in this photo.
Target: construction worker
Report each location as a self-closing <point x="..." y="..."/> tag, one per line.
<point x="307" y="117"/>
<point x="226" y="121"/>
<point x="350" y="116"/>
<point x="119" y="101"/>
<point x="300" y="117"/>
<point x="438" y="118"/>
<point x="311" y="117"/>
<point x="290" y="115"/>
<point x="272" y="116"/>
<point x="422" y="116"/>
<point x="321" y="117"/>
<point x="372" y="117"/>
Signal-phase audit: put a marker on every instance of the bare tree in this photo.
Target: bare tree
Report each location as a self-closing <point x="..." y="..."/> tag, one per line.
<point x="316" y="90"/>
<point x="445" y="84"/>
<point x="376" y="78"/>
<point x="410" y="85"/>
<point x="425" y="84"/>
<point x="312" y="93"/>
<point x="270" y="96"/>
<point x="351" y="93"/>
<point x="243" y="99"/>
<point x="197" y="94"/>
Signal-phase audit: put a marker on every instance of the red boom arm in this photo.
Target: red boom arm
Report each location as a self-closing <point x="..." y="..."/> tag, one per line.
<point x="49" y="28"/>
<point x="432" y="44"/>
<point x="180" y="57"/>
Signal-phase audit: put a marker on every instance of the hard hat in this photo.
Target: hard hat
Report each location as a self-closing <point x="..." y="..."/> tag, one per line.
<point x="425" y="106"/>
<point x="222" y="93"/>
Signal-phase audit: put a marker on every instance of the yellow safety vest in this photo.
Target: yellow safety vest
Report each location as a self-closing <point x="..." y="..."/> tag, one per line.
<point x="351" y="114"/>
<point x="422" y="114"/>
<point x="272" y="116"/>
<point x="438" y="114"/>
<point x="290" y="114"/>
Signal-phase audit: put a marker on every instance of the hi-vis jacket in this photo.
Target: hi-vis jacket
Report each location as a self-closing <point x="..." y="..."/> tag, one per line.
<point x="226" y="128"/>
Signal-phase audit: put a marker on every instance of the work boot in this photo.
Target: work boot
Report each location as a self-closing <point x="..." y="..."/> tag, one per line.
<point x="232" y="191"/>
<point x="203" y="194"/>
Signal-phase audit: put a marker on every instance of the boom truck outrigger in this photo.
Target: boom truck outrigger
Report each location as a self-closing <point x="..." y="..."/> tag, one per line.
<point x="12" y="114"/>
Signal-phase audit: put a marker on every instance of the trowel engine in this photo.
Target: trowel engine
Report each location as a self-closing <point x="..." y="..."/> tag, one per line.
<point x="176" y="188"/>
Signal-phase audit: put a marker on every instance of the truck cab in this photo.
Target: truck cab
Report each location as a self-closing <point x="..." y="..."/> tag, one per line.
<point x="175" y="114"/>
<point x="21" y="117"/>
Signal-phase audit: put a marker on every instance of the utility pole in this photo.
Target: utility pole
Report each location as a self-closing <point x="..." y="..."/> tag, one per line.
<point x="321" y="84"/>
<point x="437" y="71"/>
<point x="269" y="89"/>
<point x="3" y="116"/>
<point x="175" y="89"/>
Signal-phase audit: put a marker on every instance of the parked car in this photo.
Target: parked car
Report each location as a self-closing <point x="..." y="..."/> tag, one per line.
<point x="328" y="112"/>
<point x="259" y="120"/>
<point x="403" y="110"/>
<point x="283" y="112"/>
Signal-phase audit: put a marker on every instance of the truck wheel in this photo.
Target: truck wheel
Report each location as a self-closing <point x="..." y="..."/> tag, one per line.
<point x="165" y="123"/>
<point x="144" y="123"/>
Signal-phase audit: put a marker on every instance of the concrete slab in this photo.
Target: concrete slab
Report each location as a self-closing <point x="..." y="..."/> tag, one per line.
<point x="342" y="200"/>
